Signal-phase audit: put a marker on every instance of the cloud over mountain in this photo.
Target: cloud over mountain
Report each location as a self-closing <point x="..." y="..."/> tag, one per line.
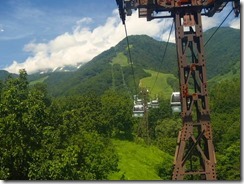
<point x="83" y="42"/>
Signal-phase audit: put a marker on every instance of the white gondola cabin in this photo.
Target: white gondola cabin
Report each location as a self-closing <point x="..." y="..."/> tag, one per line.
<point x="138" y="110"/>
<point x="154" y="104"/>
<point x="139" y="102"/>
<point x="175" y="102"/>
<point x="149" y="104"/>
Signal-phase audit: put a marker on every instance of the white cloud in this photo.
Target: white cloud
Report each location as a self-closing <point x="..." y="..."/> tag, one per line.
<point x="84" y="43"/>
<point x="209" y="22"/>
<point x="216" y="20"/>
<point x="235" y="23"/>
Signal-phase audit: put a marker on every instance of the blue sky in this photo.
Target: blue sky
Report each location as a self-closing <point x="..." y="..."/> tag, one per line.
<point x="22" y="21"/>
<point x="44" y="34"/>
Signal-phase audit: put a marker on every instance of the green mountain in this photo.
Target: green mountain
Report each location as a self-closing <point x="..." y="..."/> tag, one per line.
<point x="99" y="132"/>
<point x="111" y="69"/>
<point x="4" y="74"/>
<point x="223" y="51"/>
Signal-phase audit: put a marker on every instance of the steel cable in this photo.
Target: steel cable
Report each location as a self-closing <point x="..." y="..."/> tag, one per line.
<point x="130" y="59"/>
<point x="163" y="54"/>
<point x="218" y="28"/>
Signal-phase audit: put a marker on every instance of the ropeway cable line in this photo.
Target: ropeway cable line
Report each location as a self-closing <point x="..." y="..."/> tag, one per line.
<point x="129" y="58"/>
<point x="163" y="55"/>
<point x="218" y="28"/>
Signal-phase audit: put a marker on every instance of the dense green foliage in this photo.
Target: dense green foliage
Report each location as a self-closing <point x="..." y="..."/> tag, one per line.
<point x="226" y="120"/>
<point x="59" y="139"/>
<point x="68" y="137"/>
<point x="87" y="131"/>
<point x="222" y="51"/>
<point x="117" y="110"/>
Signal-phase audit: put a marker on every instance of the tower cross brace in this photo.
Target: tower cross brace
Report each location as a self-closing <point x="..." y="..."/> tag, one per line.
<point x="195" y="154"/>
<point x="195" y="137"/>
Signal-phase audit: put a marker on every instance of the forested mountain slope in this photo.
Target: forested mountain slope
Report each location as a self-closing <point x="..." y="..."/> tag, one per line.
<point x="88" y="133"/>
<point x="223" y="51"/>
<point x="100" y="73"/>
<point x="112" y="66"/>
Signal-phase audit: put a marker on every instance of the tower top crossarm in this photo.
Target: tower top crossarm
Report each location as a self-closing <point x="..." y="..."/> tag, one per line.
<point x="152" y="9"/>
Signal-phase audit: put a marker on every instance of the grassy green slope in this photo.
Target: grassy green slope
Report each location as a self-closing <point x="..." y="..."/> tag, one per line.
<point x="161" y="86"/>
<point x="120" y="59"/>
<point x="140" y="162"/>
<point x="221" y="54"/>
<point x="41" y="80"/>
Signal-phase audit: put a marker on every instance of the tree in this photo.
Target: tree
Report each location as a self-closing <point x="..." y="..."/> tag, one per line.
<point x="225" y="96"/>
<point x="228" y="167"/>
<point x="22" y="119"/>
<point x="117" y="109"/>
<point x="87" y="156"/>
<point x="225" y="101"/>
<point x="166" y="133"/>
<point x="74" y="147"/>
<point x="32" y="147"/>
<point x="155" y="115"/>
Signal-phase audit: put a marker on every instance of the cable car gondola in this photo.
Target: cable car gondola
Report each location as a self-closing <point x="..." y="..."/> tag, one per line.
<point x="175" y="102"/>
<point x="138" y="110"/>
<point x="139" y="102"/>
<point x="154" y="104"/>
<point x="149" y="104"/>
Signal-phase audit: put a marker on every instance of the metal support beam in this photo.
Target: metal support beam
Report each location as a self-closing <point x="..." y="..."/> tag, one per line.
<point x="193" y="156"/>
<point x="195" y="112"/>
<point x="143" y="129"/>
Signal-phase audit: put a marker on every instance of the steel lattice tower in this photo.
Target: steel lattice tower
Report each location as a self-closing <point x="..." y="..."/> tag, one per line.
<point x="195" y="154"/>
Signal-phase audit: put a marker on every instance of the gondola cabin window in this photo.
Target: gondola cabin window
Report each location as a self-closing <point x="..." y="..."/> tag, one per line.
<point x="175" y="102"/>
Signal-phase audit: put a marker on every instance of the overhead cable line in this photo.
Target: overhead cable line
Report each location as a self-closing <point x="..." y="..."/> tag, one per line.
<point x="164" y="53"/>
<point x="122" y="16"/>
<point x="129" y="57"/>
<point x="218" y="27"/>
